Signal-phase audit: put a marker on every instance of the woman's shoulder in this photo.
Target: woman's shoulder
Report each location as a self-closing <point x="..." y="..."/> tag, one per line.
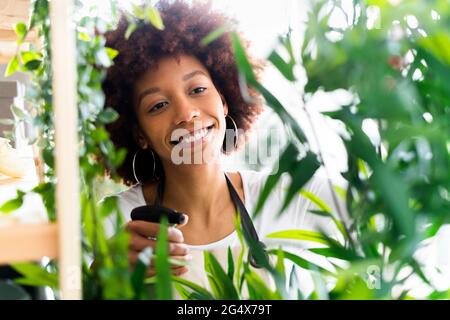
<point x="129" y="199"/>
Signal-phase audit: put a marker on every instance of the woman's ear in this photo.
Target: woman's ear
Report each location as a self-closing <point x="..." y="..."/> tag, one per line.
<point x="139" y="138"/>
<point x="224" y="103"/>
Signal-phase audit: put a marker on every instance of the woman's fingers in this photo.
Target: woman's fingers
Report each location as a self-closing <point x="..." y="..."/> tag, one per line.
<point x="182" y="259"/>
<point x="150" y="229"/>
<point x="177" y="272"/>
<point x="138" y="243"/>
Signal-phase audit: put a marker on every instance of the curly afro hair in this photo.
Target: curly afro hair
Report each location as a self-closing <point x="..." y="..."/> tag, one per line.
<point x="185" y="25"/>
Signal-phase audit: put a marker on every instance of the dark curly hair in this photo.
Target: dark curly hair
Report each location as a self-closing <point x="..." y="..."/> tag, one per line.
<point x="185" y="25"/>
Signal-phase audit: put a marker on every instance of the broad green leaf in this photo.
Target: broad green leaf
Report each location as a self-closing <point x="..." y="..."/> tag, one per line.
<point x="32" y="65"/>
<point x="12" y="67"/>
<point x="13" y="204"/>
<point x="112" y="53"/>
<point x="21" y="31"/>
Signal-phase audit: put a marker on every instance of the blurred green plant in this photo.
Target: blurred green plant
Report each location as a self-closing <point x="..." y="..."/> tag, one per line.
<point x="396" y="67"/>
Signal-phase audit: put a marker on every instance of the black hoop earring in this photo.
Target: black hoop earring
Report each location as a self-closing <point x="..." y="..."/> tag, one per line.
<point x="236" y="135"/>
<point x="134" y="165"/>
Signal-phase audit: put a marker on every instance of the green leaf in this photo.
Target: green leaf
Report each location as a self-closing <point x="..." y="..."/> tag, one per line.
<point x="17" y="112"/>
<point x="140" y="271"/>
<point x="203" y="293"/>
<point x="279" y="267"/>
<point x="438" y="44"/>
<point x="32" y="65"/>
<point x="7" y="122"/>
<point x="326" y="210"/>
<point x="155" y="18"/>
<point x="303" y="172"/>
<point x="238" y="228"/>
<point x="108" y="115"/>
<point x="83" y="36"/>
<point x="102" y="58"/>
<point x="286" y="161"/>
<point x="286" y="69"/>
<point x="215" y="34"/>
<point x="12" y="67"/>
<point x="335" y="252"/>
<point x="13" y="204"/>
<point x="224" y="284"/>
<point x="242" y="62"/>
<point x="305" y="235"/>
<point x="27" y="56"/>
<point x="258" y="286"/>
<point x="230" y="272"/>
<point x="21" y="31"/>
<point x="35" y="274"/>
<point x="162" y="265"/>
<point x="112" y="53"/>
<point x="132" y="26"/>
<point x="299" y="261"/>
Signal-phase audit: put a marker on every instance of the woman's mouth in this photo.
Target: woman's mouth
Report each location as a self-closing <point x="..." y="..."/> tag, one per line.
<point x="194" y="137"/>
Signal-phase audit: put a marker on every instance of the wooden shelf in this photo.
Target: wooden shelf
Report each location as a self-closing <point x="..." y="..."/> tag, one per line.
<point x="28" y="242"/>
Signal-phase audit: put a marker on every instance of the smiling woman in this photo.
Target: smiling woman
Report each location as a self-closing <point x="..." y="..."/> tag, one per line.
<point x="177" y="101"/>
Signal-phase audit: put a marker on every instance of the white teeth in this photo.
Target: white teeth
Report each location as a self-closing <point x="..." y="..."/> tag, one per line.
<point x="199" y="134"/>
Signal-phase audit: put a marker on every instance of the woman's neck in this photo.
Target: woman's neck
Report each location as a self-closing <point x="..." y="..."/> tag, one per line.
<point x="200" y="191"/>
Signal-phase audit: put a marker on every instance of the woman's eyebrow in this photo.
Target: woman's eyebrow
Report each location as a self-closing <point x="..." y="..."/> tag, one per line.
<point x="193" y="74"/>
<point x="147" y="92"/>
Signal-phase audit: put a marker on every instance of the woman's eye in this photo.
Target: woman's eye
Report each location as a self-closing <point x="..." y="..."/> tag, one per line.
<point x="158" y="106"/>
<point x="199" y="90"/>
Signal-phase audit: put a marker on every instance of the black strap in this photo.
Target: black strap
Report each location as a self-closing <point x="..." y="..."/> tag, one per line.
<point x="246" y="221"/>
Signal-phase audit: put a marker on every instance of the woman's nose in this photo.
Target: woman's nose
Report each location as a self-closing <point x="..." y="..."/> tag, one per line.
<point x="185" y="110"/>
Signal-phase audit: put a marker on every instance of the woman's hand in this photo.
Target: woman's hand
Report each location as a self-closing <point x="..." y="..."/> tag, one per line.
<point x="143" y="234"/>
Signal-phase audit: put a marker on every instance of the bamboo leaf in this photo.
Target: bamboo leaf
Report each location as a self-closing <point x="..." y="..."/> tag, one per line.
<point x="202" y="292"/>
<point x="34" y="274"/>
<point x="286" y="69"/>
<point x="230" y="272"/>
<point x="162" y="266"/>
<point x="303" y="172"/>
<point x="215" y="35"/>
<point x="225" y="285"/>
<point x="304" y="235"/>
<point x="155" y="18"/>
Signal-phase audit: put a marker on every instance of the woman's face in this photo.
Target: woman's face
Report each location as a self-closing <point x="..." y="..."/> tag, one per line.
<point x="180" y="112"/>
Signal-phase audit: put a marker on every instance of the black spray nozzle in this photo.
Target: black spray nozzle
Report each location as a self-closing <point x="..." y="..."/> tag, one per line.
<point x="154" y="213"/>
